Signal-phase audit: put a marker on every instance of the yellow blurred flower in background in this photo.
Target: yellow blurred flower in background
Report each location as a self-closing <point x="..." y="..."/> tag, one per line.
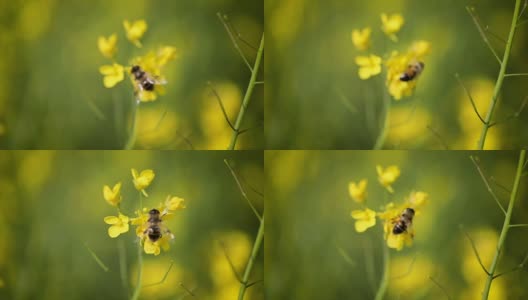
<point x="119" y="225"/>
<point x="364" y="219"/>
<point x="361" y="38"/>
<point x="142" y="180"/>
<point x="135" y="31"/>
<point x="417" y="199"/>
<point x="368" y="66"/>
<point x="391" y="25"/>
<point x="388" y="176"/>
<point x="358" y="191"/>
<point x="113" y="74"/>
<point x="112" y="196"/>
<point x="107" y="46"/>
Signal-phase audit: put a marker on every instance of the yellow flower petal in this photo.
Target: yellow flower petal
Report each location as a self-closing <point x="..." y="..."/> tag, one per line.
<point x="174" y="203"/>
<point x="361" y="38"/>
<point x="358" y="192"/>
<point x="111" y="220"/>
<point x="142" y="180"/>
<point x="395" y="241"/>
<point x="364" y="219"/>
<point x="112" y="196"/>
<point x="113" y="74"/>
<point x="107" y="46"/>
<point x="135" y="31"/>
<point x="151" y="248"/>
<point x="388" y="176"/>
<point x="391" y="25"/>
<point x="368" y="66"/>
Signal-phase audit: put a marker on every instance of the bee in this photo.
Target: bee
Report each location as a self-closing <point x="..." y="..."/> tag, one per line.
<point x="403" y="222"/>
<point x="156" y="229"/>
<point x="414" y="69"/>
<point x="144" y="80"/>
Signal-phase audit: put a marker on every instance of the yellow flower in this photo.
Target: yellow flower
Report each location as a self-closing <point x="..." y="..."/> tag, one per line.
<point x="361" y="38"/>
<point x="174" y="203"/>
<point x="135" y="30"/>
<point x="107" y="46"/>
<point x="368" y="66"/>
<point x="143" y="180"/>
<point x="391" y="25"/>
<point x="154" y="247"/>
<point x="364" y="219"/>
<point x="153" y="62"/>
<point x="140" y="221"/>
<point x="390" y="215"/>
<point x="112" y="74"/>
<point x="112" y="196"/>
<point x="417" y="199"/>
<point x="119" y="225"/>
<point x="419" y="49"/>
<point x="358" y="192"/>
<point x="166" y="54"/>
<point x="388" y="176"/>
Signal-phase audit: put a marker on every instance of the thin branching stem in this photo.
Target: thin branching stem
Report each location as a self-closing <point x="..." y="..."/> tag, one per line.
<point x="441" y="287"/>
<point x="222" y="19"/>
<point x="254" y="252"/>
<point x="500" y="77"/>
<point x="472" y="13"/>
<point x="470" y="98"/>
<point x="519" y="225"/>
<point x="474" y="247"/>
<point x="96" y="258"/>
<point x="233" y="269"/>
<point x="162" y="279"/>
<point x="247" y="96"/>
<point x="488" y="186"/>
<point x="384" y="283"/>
<point x="380" y="140"/>
<point x="123" y="265"/>
<point x="518" y="267"/>
<point x="506" y="224"/>
<point x="438" y="136"/>
<point x="242" y="190"/>
<point x="408" y="272"/>
<point x="222" y="107"/>
<point x="515" y="74"/>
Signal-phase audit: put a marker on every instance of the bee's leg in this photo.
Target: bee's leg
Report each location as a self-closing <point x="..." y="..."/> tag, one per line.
<point x="138" y="92"/>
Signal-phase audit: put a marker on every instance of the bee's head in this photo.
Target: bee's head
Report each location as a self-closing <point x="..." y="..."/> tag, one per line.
<point x="409" y="211"/>
<point x="134" y="69"/>
<point x="154" y="212"/>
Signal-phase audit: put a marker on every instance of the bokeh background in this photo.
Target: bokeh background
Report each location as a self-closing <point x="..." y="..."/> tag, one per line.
<point x="313" y="252"/>
<point x="315" y="99"/>
<point x="52" y="206"/>
<point x="52" y="95"/>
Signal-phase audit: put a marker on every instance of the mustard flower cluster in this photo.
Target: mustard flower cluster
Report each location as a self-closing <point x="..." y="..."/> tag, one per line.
<point x="120" y="224"/>
<point x="396" y="63"/>
<point x="152" y="62"/>
<point x="391" y="213"/>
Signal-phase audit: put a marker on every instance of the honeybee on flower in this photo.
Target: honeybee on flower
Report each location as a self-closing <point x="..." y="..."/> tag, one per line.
<point x="397" y="219"/>
<point x="403" y="68"/>
<point x="145" y="72"/>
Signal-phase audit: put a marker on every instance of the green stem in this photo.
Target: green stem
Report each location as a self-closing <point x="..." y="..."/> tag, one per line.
<point x="385" y="129"/>
<point x="505" y="226"/>
<point x="385" y="277"/>
<point x="247" y="96"/>
<point x="500" y="79"/>
<point x="132" y="135"/>
<point x="137" y="290"/>
<point x="252" y="258"/>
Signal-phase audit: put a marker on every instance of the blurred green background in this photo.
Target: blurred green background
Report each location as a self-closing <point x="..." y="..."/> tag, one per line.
<point x="52" y="204"/>
<point x="315" y="99"/>
<point x="310" y="232"/>
<point x="52" y="95"/>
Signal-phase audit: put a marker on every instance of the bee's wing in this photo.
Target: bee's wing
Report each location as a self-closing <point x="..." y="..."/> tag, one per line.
<point x="165" y="230"/>
<point x="160" y="81"/>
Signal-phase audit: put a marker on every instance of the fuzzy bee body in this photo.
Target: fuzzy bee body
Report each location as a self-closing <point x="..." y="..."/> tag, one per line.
<point x="414" y="69"/>
<point x="143" y="79"/>
<point x="403" y="223"/>
<point x="155" y="227"/>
